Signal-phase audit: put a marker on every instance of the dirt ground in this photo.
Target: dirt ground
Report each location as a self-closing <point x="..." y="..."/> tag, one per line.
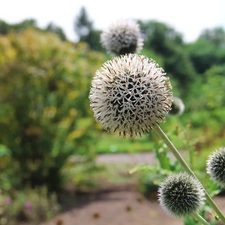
<point x="117" y="204"/>
<point x="123" y="206"/>
<point x="114" y="207"/>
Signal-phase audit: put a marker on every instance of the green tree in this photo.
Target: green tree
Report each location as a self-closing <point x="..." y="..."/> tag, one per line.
<point x="83" y="25"/>
<point x="159" y="36"/>
<point x="85" y="31"/>
<point x="51" y="27"/>
<point x="215" y="36"/>
<point x="208" y="50"/>
<point x="4" y="27"/>
<point x="28" y="23"/>
<point x="168" y="44"/>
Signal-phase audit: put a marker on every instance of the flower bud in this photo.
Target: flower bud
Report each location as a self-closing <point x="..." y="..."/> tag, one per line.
<point x="215" y="166"/>
<point x="122" y="37"/>
<point x="181" y="195"/>
<point x="177" y="107"/>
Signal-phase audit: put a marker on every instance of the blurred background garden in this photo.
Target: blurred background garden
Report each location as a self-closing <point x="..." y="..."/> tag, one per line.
<point x="48" y="135"/>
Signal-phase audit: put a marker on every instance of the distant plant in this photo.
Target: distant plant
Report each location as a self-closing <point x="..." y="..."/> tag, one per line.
<point x="85" y="31"/>
<point x="43" y="84"/>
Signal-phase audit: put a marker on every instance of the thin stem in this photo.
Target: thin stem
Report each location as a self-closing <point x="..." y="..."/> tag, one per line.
<point x="200" y="219"/>
<point x="180" y="159"/>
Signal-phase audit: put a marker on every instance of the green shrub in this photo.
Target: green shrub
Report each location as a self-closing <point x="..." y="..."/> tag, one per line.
<point x="44" y="87"/>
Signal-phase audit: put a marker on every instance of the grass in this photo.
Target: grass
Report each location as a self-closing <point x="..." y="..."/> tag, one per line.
<point x="110" y="143"/>
<point x="115" y="174"/>
<point x="90" y="176"/>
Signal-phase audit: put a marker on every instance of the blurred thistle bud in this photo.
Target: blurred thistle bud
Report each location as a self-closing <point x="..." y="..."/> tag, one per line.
<point x="181" y="195"/>
<point x="130" y="94"/>
<point x="215" y="166"/>
<point x="122" y="37"/>
<point x="177" y="107"/>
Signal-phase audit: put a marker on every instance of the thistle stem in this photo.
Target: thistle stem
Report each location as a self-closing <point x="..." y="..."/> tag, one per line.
<point x="183" y="163"/>
<point x="200" y="219"/>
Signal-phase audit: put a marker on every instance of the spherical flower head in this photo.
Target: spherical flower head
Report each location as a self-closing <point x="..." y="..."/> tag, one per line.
<point x="130" y="94"/>
<point x="122" y="37"/>
<point x="181" y="195"/>
<point x="215" y="166"/>
<point x="177" y="107"/>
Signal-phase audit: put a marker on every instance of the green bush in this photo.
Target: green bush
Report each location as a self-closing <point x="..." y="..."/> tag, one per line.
<point x="44" y="87"/>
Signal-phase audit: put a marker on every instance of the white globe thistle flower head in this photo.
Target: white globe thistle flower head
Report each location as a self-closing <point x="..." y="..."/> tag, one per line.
<point x="122" y="37"/>
<point x="177" y="107"/>
<point x="215" y="166"/>
<point x="181" y="195"/>
<point x="130" y="94"/>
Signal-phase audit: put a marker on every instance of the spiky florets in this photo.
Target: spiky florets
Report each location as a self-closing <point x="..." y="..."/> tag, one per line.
<point x="216" y="166"/>
<point x="177" y="107"/>
<point x="122" y="37"/>
<point x="129" y="94"/>
<point x="181" y="195"/>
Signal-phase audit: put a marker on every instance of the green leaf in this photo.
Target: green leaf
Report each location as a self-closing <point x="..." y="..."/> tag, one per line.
<point x="4" y="151"/>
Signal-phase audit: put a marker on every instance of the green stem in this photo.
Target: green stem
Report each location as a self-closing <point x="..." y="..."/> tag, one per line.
<point x="200" y="219"/>
<point x="180" y="159"/>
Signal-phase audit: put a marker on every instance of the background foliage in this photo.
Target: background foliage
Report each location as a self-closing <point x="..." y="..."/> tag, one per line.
<point x="42" y="103"/>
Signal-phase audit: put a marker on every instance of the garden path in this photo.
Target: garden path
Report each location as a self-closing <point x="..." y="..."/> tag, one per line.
<point x="121" y="205"/>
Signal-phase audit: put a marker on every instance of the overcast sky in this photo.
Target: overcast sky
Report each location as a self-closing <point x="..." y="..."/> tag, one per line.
<point x="188" y="17"/>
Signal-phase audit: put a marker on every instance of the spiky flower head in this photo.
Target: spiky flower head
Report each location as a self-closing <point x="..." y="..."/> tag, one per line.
<point x="177" y="107"/>
<point x="215" y="166"/>
<point x="122" y="37"/>
<point x="130" y="94"/>
<point x="181" y="195"/>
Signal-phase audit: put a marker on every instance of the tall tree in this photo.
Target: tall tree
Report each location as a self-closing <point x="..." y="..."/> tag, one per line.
<point x="51" y="27"/>
<point x="159" y="36"/>
<point x="5" y="28"/>
<point x="85" y="31"/>
<point x="168" y="43"/>
<point x="83" y="25"/>
<point x="208" y="50"/>
<point x="215" y="36"/>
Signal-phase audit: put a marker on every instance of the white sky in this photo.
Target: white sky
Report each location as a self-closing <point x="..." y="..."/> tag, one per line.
<point x="188" y="17"/>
